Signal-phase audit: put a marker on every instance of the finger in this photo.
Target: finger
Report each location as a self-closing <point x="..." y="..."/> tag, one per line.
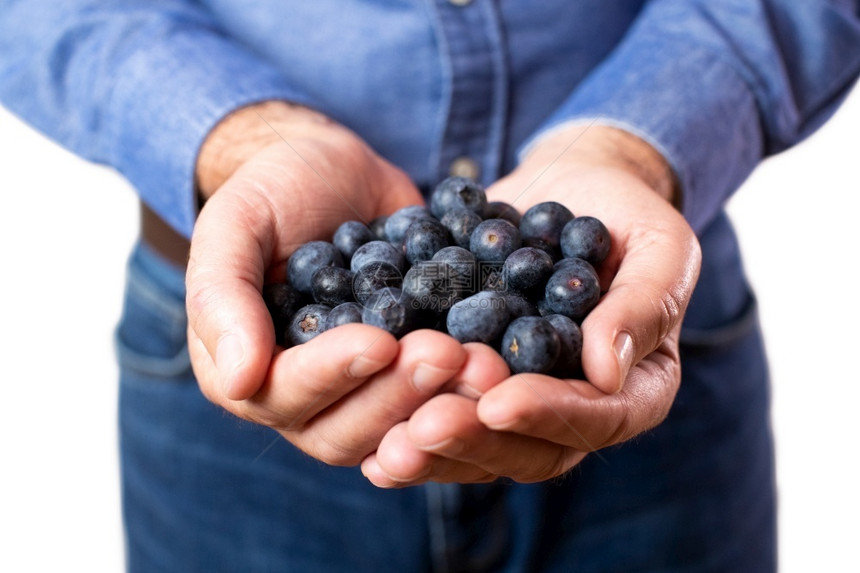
<point x="350" y="429"/>
<point x="483" y="368"/>
<point x="308" y="378"/>
<point x="575" y="413"/>
<point x="645" y="301"/>
<point x="225" y="309"/>
<point x="448" y="426"/>
<point x="398" y="463"/>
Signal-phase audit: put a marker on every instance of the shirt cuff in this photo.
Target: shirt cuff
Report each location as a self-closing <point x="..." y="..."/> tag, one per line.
<point x="166" y="102"/>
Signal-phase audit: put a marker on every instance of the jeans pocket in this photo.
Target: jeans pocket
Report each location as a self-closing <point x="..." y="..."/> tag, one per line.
<point x="151" y="339"/>
<point x="725" y="333"/>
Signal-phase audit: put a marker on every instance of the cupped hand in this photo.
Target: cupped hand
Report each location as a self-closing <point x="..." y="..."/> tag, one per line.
<point x="285" y="176"/>
<point x="533" y="427"/>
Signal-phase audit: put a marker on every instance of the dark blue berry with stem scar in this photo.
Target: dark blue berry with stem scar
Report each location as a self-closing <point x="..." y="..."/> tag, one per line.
<point x="372" y="277"/>
<point x="530" y="344"/>
<point x="377" y="225"/>
<point x="306" y="323"/>
<point x="376" y="252"/>
<point x="282" y="301"/>
<point x="494" y="239"/>
<point x="461" y="223"/>
<point x="457" y="192"/>
<point x="423" y="238"/>
<point x="481" y="317"/>
<point x="586" y="238"/>
<point x="346" y="313"/>
<point x="502" y="210"/>
<point x="569" y="363"/>
<point x="305" y="261"/>
<point x="399" y="221"/>
<point x="332" y="286"/>
<point x="527" y="269"/>
<point x="350" y="235"/>
<point x="390" y="310"/>
<point x="545" y="221"/>
<point x="573" y="290"/>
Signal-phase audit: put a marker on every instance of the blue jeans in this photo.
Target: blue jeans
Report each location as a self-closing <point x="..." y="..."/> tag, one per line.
<point x="205" y="491"/>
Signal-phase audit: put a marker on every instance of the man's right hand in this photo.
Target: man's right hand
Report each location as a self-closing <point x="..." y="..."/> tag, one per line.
<point x="284" y="176"/>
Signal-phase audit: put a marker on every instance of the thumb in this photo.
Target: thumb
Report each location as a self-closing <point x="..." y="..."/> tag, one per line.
<point x="644" y="304"/>
<point x="225" y="308"/>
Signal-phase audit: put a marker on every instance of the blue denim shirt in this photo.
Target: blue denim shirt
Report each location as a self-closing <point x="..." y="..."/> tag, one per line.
<point x="715" y="86"/>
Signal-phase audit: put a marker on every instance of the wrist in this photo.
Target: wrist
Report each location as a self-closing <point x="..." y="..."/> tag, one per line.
<point x="610" y="147"/>
<point x="243" y="133"/>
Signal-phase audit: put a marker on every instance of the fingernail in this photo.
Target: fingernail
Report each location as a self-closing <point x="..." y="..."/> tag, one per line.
<point x="624" y="354"/>
<point x="426" y="378"/>
<point x="362" y="367"/>
<point x="228" y="357"/>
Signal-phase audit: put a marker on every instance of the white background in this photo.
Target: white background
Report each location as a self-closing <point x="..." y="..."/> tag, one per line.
<point x="66" y="227"/>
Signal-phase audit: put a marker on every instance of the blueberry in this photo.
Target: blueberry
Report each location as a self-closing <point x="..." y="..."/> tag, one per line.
<point x="492" y="276"/>
<point x="481" y="317"/>
<point x="282" y="301"/>
<point x="350" y="236"/>
<point x="573" y="290"/>
<point x="457" y="192"/>
<point x="519" y="305"/>
<point x="461" y="222"/>
<point x="390" y="310"/>
<point x="332" y="286"/>
<point x="538" y="243"/>
<point x="527" y="269"/>
<point x="377" y="225"/>
<point x="376" y="252"/>
<point x="306" y="323"/>
<point x="587" y="238"/>
<point x="464" y="268"/>
<point x="502" y="210"/>
<point x="530" y="344"/>
<point x="423" y="238"/>
<point x="304" y="262"/>
<point x="545" y="221"/>
<point x="433" y="286"/>
<point x="372" y="277"/>
<point x="399" y="221"/>
<point x="346" y="313"/>
<point x="569" y="363"/>
<point x="494" y="239"/>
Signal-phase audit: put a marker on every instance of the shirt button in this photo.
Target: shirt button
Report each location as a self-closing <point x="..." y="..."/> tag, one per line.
<point x="464" y="167"/>
<point x="460" y="2"/>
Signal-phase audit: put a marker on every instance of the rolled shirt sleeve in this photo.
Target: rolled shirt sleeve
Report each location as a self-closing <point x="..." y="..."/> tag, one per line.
<point x="717" y="86"/>
<point x="135" y="85"/>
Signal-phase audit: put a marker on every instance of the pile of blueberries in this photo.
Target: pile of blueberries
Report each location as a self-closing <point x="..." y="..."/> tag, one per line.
<point x="474" y="269"/>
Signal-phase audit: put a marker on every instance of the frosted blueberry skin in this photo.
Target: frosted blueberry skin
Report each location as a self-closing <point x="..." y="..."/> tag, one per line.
<point x="545" y="221"/>
<point x="332" y="286"/>
<point x="569" y="363"/>
<point x="530" y="344"/>
<point x="463" y="265"/>
<point x="305" y="261"/>
<point x="307" y="323"/>
<point x="433" y="286"/>
<point x="527" y="269"/>
<point x="502" y="210"/>
<point x="372" y="277"/>
<point x="346" y="313"/>
<point x="423" y="239"/>
<point x="399" y="221"/>
<point x="350" y="235"/>
<point x="282" y="301"/>
<point x="390" y="310"/>
<point x="376" y="252"/>
<point x="481" y="317"/>
<point x="377" y="225"/>
<point x="573" y="290"/>
<point x="457" y="192"/>
<point x="494" y="239"/>
<point x="586" y="238"/>
<point x="461" y="223"/>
